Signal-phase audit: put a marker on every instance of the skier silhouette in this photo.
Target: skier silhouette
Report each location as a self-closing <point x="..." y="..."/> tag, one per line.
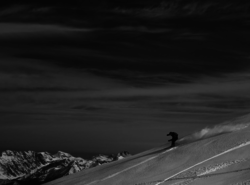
<point x="174" y="138"/>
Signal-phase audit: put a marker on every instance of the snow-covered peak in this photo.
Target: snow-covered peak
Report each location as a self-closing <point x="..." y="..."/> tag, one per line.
<point x="30" y="166"/>
<point x="46" y="156"/>
<point x="63" y="155"/>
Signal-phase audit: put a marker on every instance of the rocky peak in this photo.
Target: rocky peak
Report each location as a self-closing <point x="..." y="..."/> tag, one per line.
<point x="39" y="167"/>
<point x="123" y="154"/>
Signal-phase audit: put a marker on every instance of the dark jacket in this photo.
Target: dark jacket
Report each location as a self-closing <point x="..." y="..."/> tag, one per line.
<point x="174" y="135"/>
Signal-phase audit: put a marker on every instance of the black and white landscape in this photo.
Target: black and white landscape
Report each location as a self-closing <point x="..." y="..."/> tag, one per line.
<point x="105" y="76"/>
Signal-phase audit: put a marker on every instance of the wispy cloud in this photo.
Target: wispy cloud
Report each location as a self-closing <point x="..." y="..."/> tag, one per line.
<point x="39" y="82"/>
<point x="21" y="28"/>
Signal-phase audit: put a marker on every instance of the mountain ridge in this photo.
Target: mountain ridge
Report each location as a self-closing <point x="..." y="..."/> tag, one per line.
<point x="30" y="167"/>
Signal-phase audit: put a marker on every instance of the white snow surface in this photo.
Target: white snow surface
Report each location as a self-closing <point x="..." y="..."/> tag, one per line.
<point x="220" y="156"/>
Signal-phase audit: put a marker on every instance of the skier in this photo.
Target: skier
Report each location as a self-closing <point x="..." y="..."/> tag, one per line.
<point x="174" y="138"/>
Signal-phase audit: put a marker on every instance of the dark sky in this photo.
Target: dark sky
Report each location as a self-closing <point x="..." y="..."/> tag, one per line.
<point x="118" y="86"/>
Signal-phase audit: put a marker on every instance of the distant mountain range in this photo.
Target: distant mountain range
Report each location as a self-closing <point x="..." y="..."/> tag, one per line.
<point x="29" y="167"/>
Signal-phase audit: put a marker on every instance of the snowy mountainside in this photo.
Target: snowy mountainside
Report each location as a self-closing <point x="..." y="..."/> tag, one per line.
<point x="29" y="167"/>
<point x="218" y="156"/>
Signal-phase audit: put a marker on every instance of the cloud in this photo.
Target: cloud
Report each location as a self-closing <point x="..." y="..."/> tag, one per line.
<point x="142" y="29"/>
<point x="20" y="30"/>
<point x="35" y="75"/>
<point x="34" y="84"/>
<point x="178" y="90"/>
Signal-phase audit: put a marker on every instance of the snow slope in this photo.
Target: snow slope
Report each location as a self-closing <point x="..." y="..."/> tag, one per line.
<point x="29" y="167"/>
<point x="222" y="157"/>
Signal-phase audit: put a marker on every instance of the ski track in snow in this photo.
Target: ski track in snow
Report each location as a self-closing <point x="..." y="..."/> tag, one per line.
<point x="247" y="182"/>
<point x="206" y="175"/>
<point x="163" y="181"/>
<point x="126" y="169"/>
<point x="227" y="151"/>
<point x="204" y="172"/>
<point x="191" y="176"/>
